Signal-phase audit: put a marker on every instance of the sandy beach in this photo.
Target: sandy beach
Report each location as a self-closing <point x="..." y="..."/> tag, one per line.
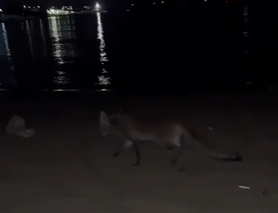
<point x="67" y="166"/>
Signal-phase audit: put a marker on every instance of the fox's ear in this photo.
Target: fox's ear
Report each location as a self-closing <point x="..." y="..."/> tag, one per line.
<point x="104" y="120"/>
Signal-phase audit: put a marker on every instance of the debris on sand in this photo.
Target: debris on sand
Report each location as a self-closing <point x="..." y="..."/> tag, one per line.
<point x="244" y="187"/>
<point x="267" y="192"/>
<point x="26" y="133"/>
<point x="210" y="128"/>
<point x="16" y="126"/>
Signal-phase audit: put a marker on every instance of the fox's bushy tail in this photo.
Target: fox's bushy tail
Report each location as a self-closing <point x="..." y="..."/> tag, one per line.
<point x="214" y="154"/>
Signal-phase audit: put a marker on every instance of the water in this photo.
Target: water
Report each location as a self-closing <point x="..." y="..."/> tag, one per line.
<point x="66" y="52"/>
<point x="155" y="50"/>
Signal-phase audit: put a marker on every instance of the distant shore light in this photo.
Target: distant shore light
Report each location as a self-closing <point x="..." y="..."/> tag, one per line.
<point x="97" y="6"/>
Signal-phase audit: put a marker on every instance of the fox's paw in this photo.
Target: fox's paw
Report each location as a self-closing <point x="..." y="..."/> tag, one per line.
<point x="116" y="154"/>
<point x="237" y="157"/>
<point x="181" y="169"/>
<point x="174" y="161"/>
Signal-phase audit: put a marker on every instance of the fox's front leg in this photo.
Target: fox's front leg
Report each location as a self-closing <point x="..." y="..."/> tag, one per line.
<point x="127" y="144"/>
<point x="178" y="152"/>
<point x="137" y="153"/>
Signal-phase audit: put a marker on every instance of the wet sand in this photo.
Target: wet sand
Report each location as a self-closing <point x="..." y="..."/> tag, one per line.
<point x="68" y="167"/>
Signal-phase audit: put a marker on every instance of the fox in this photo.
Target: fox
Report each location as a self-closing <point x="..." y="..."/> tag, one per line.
<point x="164" y="132"/>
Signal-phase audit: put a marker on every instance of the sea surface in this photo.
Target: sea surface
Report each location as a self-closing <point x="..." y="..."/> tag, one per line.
<point x="158" y="49"/>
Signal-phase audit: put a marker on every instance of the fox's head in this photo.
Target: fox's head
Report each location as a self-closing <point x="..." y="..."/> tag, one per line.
<point x="109" y="124"/>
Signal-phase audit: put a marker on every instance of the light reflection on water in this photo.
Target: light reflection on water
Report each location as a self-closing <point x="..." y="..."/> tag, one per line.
<point x="245" y="32"/>
<point x="42" y="33"/>
<point x="57" y="52"/>
<point x="7" y="50"/>
<point x="61" y="34"/>
<point x="30" y="38"/>
<point x="103" y="78"/>
<point x="6" y="74"/>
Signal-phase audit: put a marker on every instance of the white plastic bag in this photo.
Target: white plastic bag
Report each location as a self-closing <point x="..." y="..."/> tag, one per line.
<point x="26" y="133"/>
<point x="17" y="126"/>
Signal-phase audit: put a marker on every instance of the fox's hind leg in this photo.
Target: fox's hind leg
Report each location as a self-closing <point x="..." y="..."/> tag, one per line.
<point x="127" y="144"/>
<point x="175" y="142"/>
<point x="137" y="153"/>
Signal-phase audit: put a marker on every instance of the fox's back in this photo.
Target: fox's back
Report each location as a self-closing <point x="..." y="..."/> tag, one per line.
<point x="155" y="127"/>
